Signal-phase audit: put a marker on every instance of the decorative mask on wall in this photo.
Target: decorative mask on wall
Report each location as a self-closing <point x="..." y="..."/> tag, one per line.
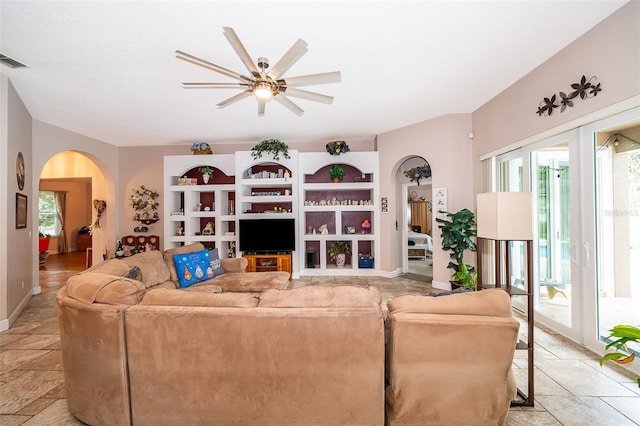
<point x="100" y="206"/>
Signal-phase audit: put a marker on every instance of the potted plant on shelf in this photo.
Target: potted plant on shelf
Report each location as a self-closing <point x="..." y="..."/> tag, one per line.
<point x="456" y="236"/>
<point x="623" y="334"/>
<point x="207" y="172"/>
<point x="338" y="251"/>
<point x="337" y="172"/>
<point x="275" y="147"/>
<point x="420" y="172"/>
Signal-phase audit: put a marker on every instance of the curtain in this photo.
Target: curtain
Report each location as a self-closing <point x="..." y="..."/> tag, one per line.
<point x="61" y="207"/>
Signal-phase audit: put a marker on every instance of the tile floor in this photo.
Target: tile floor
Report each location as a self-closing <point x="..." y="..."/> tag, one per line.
<point x="571" y="387"/>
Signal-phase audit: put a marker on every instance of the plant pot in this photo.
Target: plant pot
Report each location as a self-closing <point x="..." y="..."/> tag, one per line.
<point x="335" y="180"/>
<point x="43" y="244"/>
<point x="205" y="179"/>
<point x="340" y="260"/>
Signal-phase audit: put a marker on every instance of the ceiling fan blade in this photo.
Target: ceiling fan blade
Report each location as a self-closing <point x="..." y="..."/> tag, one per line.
<point x="282" y="99"/>
<point x="312" y="79"/>
<point x="261" y="105"/>
<point x="237" y="45"/>
<point x="234" y="99"/>
<point x="208" y="65"/>
<point x="311" y="96"/>
<point x="215" y="86"/>
<point x="294" y="53"/>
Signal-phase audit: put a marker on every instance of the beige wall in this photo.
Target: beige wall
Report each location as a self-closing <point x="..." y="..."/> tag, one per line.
<point x="445" y="144"/>
<point x="103" y="169"/>
<point x="16" y="250"/>
<point x="610" y="51"/>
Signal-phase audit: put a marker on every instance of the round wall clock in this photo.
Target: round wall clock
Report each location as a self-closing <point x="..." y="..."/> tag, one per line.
<point x="20" y="170"/>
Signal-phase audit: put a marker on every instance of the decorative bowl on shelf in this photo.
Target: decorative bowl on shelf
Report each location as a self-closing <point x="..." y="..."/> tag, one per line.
<point x="148" y="221"/>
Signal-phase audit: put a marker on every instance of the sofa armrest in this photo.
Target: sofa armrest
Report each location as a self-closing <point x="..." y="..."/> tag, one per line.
<point x="234" y="264"/>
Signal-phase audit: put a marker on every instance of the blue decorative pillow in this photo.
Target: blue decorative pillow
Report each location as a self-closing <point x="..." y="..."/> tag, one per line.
<point x="193" y="267"/>
<point x="216" y="267"/>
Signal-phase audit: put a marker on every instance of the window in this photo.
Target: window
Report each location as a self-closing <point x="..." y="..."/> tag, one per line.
<point x="48" y="218"/>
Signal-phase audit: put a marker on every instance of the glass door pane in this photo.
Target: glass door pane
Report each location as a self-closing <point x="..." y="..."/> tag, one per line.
<point x="617" y="163"/>
<point x="511" y="180"/>
<point x="550" y="184"/>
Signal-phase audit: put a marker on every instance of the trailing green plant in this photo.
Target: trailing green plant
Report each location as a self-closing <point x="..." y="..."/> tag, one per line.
<point x="623" y="334"/>
<point x="419" y="172"/>
<point x="275" y="147"/>
<point x="206" y="170"/>
<point x="456" y="236"/>
<point x="339" y="247"/>
<point x="465" y="277"/>
<point x="337" y="172"/>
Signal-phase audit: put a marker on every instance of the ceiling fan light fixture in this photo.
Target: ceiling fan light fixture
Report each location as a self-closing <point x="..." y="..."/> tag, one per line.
<point x="263" y="91"/>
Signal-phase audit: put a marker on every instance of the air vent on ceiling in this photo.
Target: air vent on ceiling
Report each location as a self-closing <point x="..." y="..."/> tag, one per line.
<point x="10" y="61"/>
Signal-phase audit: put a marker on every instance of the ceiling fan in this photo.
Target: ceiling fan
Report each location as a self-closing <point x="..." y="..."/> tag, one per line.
<point x="260" y="83"/>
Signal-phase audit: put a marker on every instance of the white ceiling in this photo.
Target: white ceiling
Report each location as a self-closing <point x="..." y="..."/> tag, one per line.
<point x="108" y="69"/>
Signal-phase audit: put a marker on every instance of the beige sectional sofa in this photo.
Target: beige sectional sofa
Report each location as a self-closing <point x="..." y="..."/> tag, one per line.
<point x="151" y="354"/>
<point x="142" y="354"/>
<point x="449" y="359"/>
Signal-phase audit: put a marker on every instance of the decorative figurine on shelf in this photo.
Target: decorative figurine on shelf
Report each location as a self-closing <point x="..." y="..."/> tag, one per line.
<point x="231" y="251"/>
<point x="119" y="249"/>
<point x="324" y="230"/>
<point x="208" y="229"/>
<point x="286" y="175"/>
<point x="180" y="231"/>
<point x="366" y="225"/>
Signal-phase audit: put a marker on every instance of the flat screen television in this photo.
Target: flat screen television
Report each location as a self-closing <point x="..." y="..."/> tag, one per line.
<point x="267" y="235"/>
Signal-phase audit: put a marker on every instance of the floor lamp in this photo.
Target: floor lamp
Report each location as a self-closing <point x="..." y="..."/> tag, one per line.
<point x="502" y="217"/>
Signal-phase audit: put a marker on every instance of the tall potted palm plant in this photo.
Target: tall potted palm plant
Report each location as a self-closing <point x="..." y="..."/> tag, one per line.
<point x="456" y="233"/>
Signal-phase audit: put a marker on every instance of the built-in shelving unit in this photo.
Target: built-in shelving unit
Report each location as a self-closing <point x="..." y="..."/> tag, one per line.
<point x="342" y="207"/>
<point x="200" y="212"/>
<point x="296" y="188"/>
<point x="266" y="189"/>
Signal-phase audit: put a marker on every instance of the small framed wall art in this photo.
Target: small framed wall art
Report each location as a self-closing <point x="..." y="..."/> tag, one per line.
<point x="20" y="170"/>
<point x="21" y="211"/>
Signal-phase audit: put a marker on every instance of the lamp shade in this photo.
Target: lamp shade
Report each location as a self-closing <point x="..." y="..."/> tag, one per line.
<point x="504" y="216"/>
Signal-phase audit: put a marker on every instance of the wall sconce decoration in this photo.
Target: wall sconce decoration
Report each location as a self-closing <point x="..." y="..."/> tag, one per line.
<point x="100" y="206"/>
<point x="586" y="88"/>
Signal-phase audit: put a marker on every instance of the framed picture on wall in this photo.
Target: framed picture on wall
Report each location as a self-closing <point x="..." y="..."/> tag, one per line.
<point x="21" y="211"/>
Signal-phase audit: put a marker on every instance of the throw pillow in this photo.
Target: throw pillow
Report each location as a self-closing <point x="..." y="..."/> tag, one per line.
<point x="133" y="273"/>
<point x="193" y="267"/>
<point x="216" y="266"/>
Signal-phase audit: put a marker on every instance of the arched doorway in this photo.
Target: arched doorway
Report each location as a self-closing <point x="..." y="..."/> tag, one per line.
<point x="65" y="210"/>
<point x="415" y="189"/>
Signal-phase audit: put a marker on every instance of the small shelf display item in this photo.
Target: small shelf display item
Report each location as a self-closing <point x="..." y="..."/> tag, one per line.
<point x="143" y="201"/>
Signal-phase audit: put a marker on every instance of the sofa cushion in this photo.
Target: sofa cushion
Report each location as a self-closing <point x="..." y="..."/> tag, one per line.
<point x="234" y="264"/>
<point x="116" y="267"/>
<point x="193" y="267"/>
<point x="173" y="297"/>
<point x="151" y="263"/>
<point x="216" y="267"/>
<point x="321" y="297"/>
<point x="90" y="287"/>
<point x="168" y="257"/>
<point x="491" y="302"/>
<point x="252" y="281"/>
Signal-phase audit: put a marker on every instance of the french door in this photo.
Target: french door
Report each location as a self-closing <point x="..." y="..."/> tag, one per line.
<point x="548" y="168"/>
<point x="586" y="195"/>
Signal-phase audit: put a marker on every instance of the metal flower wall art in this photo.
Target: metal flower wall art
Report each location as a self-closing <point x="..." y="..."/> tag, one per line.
<point x="586" y="88"/>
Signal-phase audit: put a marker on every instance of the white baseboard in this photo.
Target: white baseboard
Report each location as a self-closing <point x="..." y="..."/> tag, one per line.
<point x="18" y="310"/>
<point x="36" y="290"/>
<point x="441" y="285"/>
<point x="4" y="325"/>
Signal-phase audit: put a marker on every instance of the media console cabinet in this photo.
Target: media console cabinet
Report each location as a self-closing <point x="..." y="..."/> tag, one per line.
<point x="268" y="262"/>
